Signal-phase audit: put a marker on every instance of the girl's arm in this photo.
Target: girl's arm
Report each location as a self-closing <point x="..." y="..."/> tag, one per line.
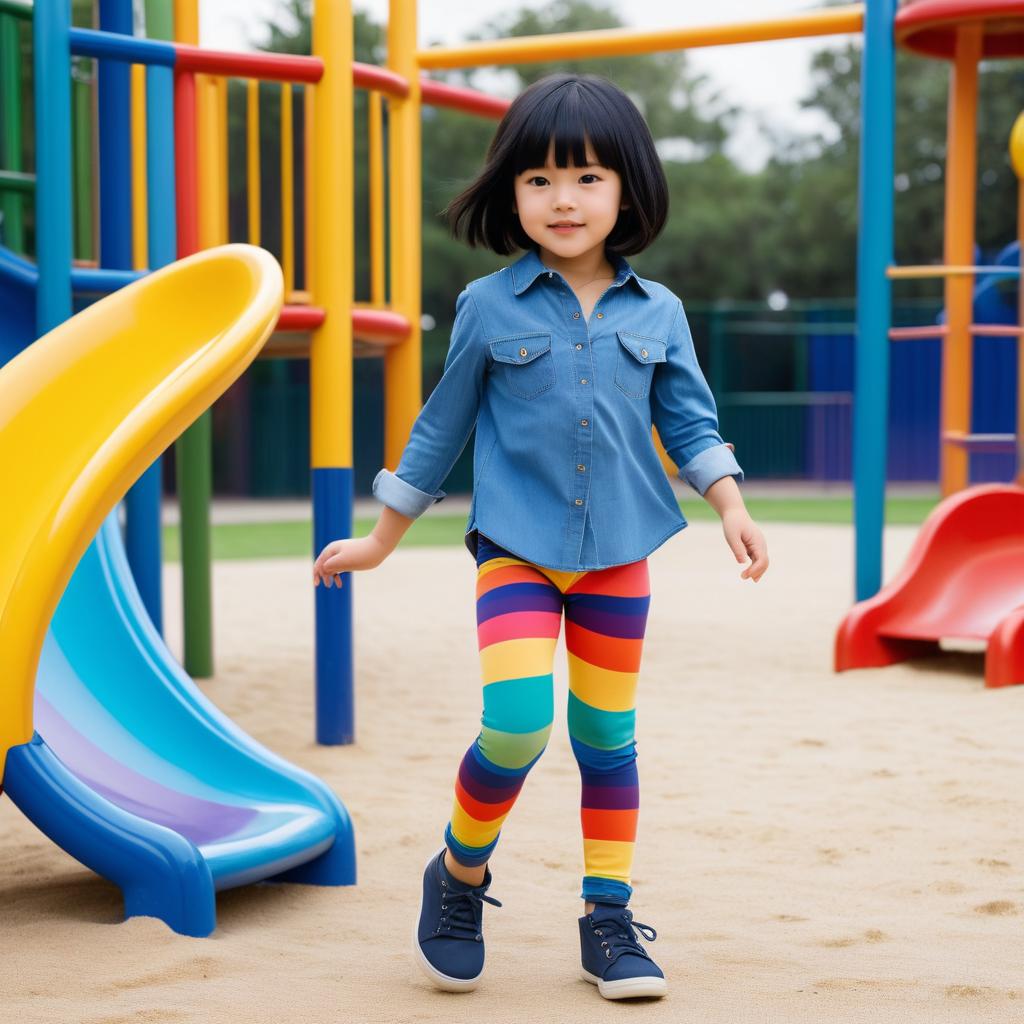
<point x="437" y="439"/>
<point x="361" y="552"/>
<point x="684" y="413"/>
<point x="742" y="534"/>
<point x="683" y="410"/>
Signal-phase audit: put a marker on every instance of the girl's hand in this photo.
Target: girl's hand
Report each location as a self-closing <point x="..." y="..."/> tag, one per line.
<point x="345" y="555"/>
<point x="745" y="538"/>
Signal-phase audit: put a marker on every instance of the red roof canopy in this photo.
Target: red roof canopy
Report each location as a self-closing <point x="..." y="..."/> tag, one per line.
<point x="929" y="27"/>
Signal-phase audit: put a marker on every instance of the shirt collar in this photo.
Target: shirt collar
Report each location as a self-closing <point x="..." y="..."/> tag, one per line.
<point x="529" y="267"/>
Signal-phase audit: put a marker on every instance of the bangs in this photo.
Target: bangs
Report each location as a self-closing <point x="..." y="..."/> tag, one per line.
<point x="566" y="110"/>
<point x="569" y="117"/>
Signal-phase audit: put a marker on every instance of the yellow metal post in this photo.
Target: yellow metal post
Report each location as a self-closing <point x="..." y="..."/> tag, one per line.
<point x="212" y="172"/>
<point x="222" y="134"/>
<point x="403" y="392"/>
<point x="961" y="170"/>
<point x="287" y="191"/>
<point x="1017" y="160"/>
<point x="330" y="357"/>
<point x="140" y="226"/>
<point x="252" y="153"/>
<point x="375" y="124"/>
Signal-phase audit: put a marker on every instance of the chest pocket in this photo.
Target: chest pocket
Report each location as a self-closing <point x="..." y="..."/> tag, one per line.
<point x="634" y="362"/>
<point x="526" y="361"/>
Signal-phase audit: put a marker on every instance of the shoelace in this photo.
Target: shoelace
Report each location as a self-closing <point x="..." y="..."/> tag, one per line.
<point x="462" y="912"/>
<point x="617" y="935"/>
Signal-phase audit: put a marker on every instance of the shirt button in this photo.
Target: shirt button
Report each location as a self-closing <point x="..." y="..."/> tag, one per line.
<point x="581" y="467"/>
<point x="579" y="501"/>
<point x="522" y="351"/>
<point x="599" y="315"/>
<point x="643" y="352"/>
<point x="550" y="274"/>
<point x="579" y="346"/>
<point x="584" y="422"/>
<point x="583" y="380"/>
<point x="575" y="316"/>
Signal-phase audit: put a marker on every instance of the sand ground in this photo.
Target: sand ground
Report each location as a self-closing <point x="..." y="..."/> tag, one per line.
<point x="812" y="847"/>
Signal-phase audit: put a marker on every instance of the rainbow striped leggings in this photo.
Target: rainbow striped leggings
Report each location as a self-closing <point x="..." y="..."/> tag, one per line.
<point x="519" y="615"/>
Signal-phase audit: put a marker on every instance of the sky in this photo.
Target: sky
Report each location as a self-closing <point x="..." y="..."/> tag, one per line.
<point x="766" y="80"/>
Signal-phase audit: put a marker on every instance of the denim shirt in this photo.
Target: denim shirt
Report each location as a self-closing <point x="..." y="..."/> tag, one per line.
<point x="565" y="470"/>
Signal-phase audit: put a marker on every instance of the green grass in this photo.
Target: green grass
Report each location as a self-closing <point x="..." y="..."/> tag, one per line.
<point x="295" y="539"/>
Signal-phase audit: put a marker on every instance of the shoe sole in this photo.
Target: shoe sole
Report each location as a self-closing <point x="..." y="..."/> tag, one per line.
<point x="627" y="988"/>
<point x="439" y="978"/>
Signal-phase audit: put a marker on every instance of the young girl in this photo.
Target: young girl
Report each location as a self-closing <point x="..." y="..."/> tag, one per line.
<point x="561" y="361"/>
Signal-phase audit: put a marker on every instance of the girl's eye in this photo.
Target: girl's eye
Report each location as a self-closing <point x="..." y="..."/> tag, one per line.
<point x="540" y="177"/>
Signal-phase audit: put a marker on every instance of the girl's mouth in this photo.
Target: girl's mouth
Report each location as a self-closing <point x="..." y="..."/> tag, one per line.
<point x="564" y="229"/>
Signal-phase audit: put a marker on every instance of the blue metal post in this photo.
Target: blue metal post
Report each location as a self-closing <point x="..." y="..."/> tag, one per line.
<point x="163" y="236"/>
<point x="874" y="255"/>
<point x="142" y="533"/>
<point x="51" y="64"/>
<point x="335" y="638"/>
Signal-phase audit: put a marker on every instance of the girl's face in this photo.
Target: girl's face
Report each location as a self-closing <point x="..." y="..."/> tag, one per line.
<point x="588" y="197"/>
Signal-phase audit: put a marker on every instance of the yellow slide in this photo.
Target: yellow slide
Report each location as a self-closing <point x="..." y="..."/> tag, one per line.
<point x="87" y="408"/>
<point x="106" y="743"/>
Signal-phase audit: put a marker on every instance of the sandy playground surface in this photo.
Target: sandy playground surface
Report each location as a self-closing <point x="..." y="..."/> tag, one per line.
<point x="812" y="847"/>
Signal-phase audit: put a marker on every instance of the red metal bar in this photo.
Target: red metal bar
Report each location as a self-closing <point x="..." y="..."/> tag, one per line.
<point x="370" y="76"/>
<point x="300" y="318"/>
<point x="282" y="67"/>
<point x="982" y="442"/>
<point x="915" y="333"/>
<point x="380" y="324"/>
<point x="455" y="97"/>
<point x="996" y="330"/>
<point x="186" y="180"/>
<point x="940" y="331"/>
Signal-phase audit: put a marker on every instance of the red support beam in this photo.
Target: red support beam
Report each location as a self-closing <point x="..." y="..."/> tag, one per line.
<point x="186" y="179"/>
<point x="281" y="67"/>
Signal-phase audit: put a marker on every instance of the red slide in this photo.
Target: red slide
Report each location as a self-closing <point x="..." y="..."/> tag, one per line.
<point x="964" y="578"/>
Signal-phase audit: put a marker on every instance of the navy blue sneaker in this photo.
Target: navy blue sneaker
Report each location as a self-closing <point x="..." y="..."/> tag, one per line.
<point x="448" y="940"/>
<point x="612" y="958"/>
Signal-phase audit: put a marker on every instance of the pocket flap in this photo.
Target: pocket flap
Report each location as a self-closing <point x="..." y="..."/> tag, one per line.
<point x="642" y="348"/>
<point x="521" y="348"/>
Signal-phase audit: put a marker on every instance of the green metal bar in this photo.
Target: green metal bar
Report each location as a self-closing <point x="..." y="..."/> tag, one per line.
<point x="780" y="398"/>
<point x="17" y="181"/>
<point x="12" y="204"/>
<point x="789" y="328"/>
<point x="16" y="9"/>
<point x="82" y="159"/>
<point x="160" y="20"/>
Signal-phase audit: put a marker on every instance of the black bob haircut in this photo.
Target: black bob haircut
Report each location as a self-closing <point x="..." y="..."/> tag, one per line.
<point x="569" y="109"/>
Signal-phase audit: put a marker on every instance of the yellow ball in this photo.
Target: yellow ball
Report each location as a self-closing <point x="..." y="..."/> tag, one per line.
<point x="1017" y="146"/>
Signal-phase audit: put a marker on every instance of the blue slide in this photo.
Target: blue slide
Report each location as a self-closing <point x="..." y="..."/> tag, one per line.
<point x="131" y="769"/>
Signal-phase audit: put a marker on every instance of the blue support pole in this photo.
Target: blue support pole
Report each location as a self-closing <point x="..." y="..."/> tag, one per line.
<point x="332" y="518"/>
<point x="163" y="236"/>
<point x="874" y="255"/>
<point x="51" y="60"/>
<point x="142" y="533"/>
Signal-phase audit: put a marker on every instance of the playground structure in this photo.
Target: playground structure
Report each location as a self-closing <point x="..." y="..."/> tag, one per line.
<point x="964" y="577"/>
<point x="171" y="96"/>
<point x="140" y="777"/>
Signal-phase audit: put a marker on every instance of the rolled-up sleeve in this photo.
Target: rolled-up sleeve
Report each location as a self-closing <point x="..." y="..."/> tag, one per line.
<point x="683" y="410"/>
<point x="445" y="422"/>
